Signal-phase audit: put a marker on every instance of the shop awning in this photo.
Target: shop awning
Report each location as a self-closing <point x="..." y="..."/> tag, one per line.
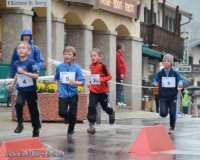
<point x="150" y="52"/>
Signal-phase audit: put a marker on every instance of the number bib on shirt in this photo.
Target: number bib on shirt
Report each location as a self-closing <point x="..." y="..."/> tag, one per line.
<point x="93" y="77"/>
<point x="168" y="82"/>
<point x="66" y="76"/>
<point x="24" y="81"/>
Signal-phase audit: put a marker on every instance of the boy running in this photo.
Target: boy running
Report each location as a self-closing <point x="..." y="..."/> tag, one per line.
<point x="99" y="91"/>
<point x="168" y="80"/>
<point x="26" y="73"/>
<point x="67" y="77"/>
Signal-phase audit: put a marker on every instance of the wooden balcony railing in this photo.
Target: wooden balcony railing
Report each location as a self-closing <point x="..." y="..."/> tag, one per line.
<point x="162" y="39"/>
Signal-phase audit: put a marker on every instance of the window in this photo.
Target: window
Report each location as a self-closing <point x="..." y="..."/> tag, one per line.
<point x="154" y="18"/>
<point x="166" y="22"/>
<point x="159" y="23"/>
<point x="146" y="15"/>
<point x="173" y="23"/>
<point x="170" y="23"/>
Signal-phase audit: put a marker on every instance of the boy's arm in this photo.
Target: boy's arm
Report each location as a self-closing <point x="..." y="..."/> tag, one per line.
<point x="32" y="75"/>
<point x="80" y="77"/>
<point x="10" y="87"/>
<point x="56" y="86"/>
<point x="106" y="78"/>
<point x="156" y="80"/>
<point x="179" y="78"/>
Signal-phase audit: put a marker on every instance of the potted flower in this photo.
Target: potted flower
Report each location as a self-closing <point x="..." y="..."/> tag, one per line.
<point x="48" y="103"/>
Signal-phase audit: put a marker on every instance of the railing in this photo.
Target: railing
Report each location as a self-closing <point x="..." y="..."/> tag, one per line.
<point x="162" y="39"/>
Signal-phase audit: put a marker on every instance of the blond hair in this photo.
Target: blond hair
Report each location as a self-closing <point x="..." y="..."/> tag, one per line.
<point x="25" y="43"/>
<point x="97" y="50"/>
<point x="70" y="49"/>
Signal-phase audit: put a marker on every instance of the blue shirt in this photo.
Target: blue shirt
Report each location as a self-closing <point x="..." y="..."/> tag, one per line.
<point x="30" y="66"/>
<point x="67" y="90"/>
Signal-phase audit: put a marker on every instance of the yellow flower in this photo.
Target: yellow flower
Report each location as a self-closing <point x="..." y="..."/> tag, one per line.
<point x="80" y="89"/>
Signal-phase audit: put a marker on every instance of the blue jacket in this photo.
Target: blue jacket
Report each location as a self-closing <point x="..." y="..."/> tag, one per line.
<point x="35" y="54"/>
<point x="168" y="93"/>
<point x="30" y="66"/>
<point x="67" y="90"/>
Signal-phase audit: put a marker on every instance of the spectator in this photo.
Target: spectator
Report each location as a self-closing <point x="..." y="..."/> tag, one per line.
<point x="120" y="73"/>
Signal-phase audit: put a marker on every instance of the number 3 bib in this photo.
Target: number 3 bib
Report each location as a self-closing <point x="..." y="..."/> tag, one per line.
<point x="93" y="77"/>
<point x="66" y="76"/>
<point x="24" y="81"/>
<point x="168" y="82"/>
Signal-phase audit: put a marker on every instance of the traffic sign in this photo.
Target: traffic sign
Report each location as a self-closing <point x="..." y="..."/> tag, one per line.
<point x="26" y="3"/>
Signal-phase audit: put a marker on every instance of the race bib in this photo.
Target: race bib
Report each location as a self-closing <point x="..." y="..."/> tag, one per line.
<point x="168" y="82"/>
<point x="66" y="76"/>
<point x="93" y="77"/>
<point x="24" y="81"/>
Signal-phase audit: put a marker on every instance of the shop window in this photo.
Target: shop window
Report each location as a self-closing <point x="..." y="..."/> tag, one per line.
<point x="152" y="71"/>
<point x="198" y="83"/>
<point x="190" y="60"/>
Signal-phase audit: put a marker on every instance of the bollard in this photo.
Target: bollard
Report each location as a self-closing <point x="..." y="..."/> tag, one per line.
<point x="98" y="108"/>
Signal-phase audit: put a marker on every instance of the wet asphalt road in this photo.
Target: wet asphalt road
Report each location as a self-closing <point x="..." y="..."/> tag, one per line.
<point x="114" y="142"/>
<point x="111" y="142"/>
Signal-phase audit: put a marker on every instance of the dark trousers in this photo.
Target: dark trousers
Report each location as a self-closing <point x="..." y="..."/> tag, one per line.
<point x="94" y="99"/>
<point x="185" y="110"/>
<point x="171" y="106"/>
<point x="119" y="89"/>
<point x="68" y="109"/>
<point x="33" y="106"/>
<point x="157" y="103"/>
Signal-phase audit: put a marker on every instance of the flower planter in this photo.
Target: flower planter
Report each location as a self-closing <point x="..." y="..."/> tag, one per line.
<point x="48" y="103"/>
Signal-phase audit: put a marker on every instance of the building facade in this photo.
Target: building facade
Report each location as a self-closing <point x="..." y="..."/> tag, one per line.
<point x="160" y="30"/>
<point x="83" y="24"/>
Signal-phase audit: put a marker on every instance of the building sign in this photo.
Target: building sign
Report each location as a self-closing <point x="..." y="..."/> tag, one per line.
<point x="126" y="8"/>
<point x="185" y="54"/>
<point x="184" y="69"/>
<point x="26" y="3"/>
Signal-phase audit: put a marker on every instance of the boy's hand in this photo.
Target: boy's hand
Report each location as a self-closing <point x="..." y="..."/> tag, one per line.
<point x="97" y="80"/>
<point x="10" y="87"/>
<point x="56" y="90"/>
<point x="88" y="85"/>
<point x="20" y="70"/>
<point x="157" y="84"/>
<point x="180" y="85"/>
<point x="72" y="82"/>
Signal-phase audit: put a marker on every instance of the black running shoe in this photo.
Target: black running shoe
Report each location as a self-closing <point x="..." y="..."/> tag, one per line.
<point x="36" y="133"/>
<point x="112" y="118"/>
<point x="19" y="128"/>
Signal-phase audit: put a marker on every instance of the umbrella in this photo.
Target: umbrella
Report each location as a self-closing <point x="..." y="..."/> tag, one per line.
<point x="186" y="82"/>
<point x="193" y="88"/>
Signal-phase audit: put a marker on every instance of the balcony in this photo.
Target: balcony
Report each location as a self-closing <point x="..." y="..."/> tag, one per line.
<point x="162" y="40"/>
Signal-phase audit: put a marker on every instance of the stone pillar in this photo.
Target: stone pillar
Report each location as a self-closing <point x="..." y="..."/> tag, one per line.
<point x="57" y="38"/>
<point x="80" y="36"/>
<point x="14" y="21"/>
<point x="106" y="42"/>
<point x="133" y="59"/>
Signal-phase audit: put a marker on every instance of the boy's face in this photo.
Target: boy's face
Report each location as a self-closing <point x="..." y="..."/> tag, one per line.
<point x="68" y="56"/>
<point x="167" y="64"/>
<point x="26" y="38"/>
<point x="23" y="50"/>
<point x="94" y="57"/>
